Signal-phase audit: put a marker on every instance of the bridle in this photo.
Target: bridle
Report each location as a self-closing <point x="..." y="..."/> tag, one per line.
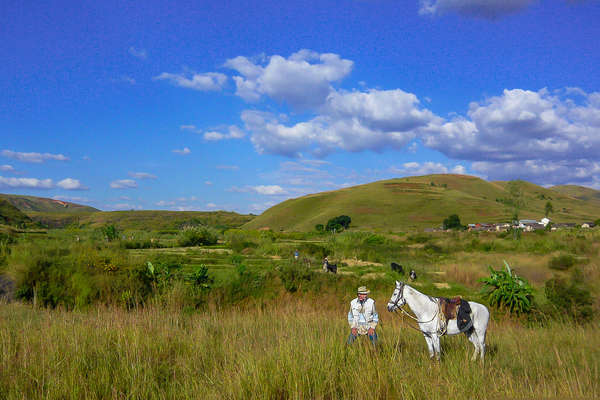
<point x="399" y="297"/>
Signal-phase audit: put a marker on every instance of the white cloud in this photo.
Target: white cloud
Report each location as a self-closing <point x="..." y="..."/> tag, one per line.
<point x="30" y="183"/>
<point x="124" y="184"/>
<point x="191" y="128"/>
<point x="489" y="9"/>
<point x="233" y="133"/>
<point x="426" y="168"/>
<point x="124" y="206"/>
<point x="211" y="205"/>
<point x="302" y="80"/>
<point x="349" y="121"/>
<point x="547" y="138"/>
<point x="228" y="167"/>
<point x="7" y="168"/>
<point x="183" y="151"/>
<point x="260" y="207"/>
<point x="33" y="157"/>
<point x="209" y="183"/>
<point x="209" y="81"/>
<point x="128" y="79"/>
<point x="142" y="54"/>
<point x="71" y="184"/>
<point x="141" y="175"/>
<point x="269" y="190"/>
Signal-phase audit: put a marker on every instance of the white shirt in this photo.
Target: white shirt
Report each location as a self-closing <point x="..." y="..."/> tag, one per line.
<point x="363" y="315"/>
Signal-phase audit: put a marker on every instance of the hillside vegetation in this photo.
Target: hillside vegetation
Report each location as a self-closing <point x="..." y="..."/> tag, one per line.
<point x="10" y="215"/>
<point x="424" y="201"/>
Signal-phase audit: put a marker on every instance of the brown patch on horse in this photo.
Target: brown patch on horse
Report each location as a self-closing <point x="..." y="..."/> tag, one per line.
<point x="450" y="306"/>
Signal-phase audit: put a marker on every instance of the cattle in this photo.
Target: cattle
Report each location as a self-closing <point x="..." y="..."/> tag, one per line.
<point x="397" y="268"/>
<point x="413" y="275"/>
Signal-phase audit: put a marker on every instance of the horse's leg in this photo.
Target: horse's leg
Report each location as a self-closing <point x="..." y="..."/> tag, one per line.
<point x="435" y="339"/>
<point x="429" y="345"/>
<point x="473" y="338"/>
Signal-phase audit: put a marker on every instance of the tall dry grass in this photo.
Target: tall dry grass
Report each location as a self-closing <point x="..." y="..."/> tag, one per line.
<point x="292" y="348"/>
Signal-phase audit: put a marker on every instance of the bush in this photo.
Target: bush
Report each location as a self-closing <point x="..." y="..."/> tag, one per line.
<point x="562" y="262"/>
<point x="110" y="232"/>
<point x="506" y="290"/>
<point x="571" y="299"/>
<point x="293" y="276"/>
<point x="338" y="223"/>
<point x="197" y="236"/>
<point x="319" y="227"/>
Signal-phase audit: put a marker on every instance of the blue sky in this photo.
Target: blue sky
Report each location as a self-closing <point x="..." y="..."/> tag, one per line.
<point x="238" y="106"/>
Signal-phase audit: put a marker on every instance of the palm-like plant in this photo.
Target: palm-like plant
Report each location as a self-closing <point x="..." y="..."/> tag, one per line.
<point x="503" y="288"/>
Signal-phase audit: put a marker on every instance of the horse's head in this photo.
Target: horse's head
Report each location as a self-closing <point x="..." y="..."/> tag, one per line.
<point x="397" y="300"/>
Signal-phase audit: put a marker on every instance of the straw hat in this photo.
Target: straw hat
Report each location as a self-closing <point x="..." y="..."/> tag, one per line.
<point x="363" y="290"/>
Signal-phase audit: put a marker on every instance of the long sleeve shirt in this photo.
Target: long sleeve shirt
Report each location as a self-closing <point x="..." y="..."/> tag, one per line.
<point x="362" y="315"/>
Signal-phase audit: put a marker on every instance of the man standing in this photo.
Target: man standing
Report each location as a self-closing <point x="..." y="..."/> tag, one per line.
<point x="363" y="317"/>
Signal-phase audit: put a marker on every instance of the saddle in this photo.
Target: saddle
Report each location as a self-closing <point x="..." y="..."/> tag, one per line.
<point x="449" y="307"/>
<point x="455" y="308"/>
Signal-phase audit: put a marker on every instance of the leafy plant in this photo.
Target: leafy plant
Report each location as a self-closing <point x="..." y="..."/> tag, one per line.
<point x="197" y="236"/>
<point x="110" y="232"/>
<point x="505" y="289"/>
<point x="452" y="222"/>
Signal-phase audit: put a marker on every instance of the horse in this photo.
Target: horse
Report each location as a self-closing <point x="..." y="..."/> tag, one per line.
<point x="329" y="267"/>
<point x="397" y="267"/>
<point x="431" y="323"/>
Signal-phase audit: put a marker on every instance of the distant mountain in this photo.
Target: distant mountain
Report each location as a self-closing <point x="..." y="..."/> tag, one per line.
<point x="42" y="204"/>
<point x="423" y="201"/>
<point x="11" y="215"/>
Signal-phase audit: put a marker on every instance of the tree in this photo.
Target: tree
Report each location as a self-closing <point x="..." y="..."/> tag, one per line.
<point x="338" y="223"/>
<point x="319" y="227"/>
<point x="548" y="208"/>
<point x="452" y="222"/>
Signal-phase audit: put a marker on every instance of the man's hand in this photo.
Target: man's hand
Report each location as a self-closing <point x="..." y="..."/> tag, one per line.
<point x="354" y="331"/>
<point x="371" y="331"/>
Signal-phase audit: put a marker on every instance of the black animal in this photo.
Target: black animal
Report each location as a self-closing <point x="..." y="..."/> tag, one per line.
<point x="397" y="267"/>
<point x="413" y="275"/>
<point x="329" y="267"/>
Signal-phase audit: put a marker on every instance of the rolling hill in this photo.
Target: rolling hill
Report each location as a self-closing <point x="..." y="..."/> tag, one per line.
<point x="42" y="204"/>
<point x="424" y="201"/>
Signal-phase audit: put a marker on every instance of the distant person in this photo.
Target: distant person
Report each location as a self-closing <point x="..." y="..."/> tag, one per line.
<point x="363" y="317"/>
<point x="296" y="255"/>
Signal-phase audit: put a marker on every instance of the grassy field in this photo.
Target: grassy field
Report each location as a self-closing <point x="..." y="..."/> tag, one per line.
<point x="260" y="324"/>
<point x="292" y="348"/>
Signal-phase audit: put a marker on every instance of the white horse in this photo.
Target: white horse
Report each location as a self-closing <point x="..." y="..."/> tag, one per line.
<point x="426" y="310"/>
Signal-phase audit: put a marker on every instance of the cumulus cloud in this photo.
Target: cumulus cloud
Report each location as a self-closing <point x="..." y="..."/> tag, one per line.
<point x="488" y="9"/>
<point x="233" y="132"/>
<point x="124" y="184"/>
<point x="546" y="137"/>
<point x="30" y="183"/>
<point x="208" y="81"/>
<point x="269" y="190"/>
<point x="7" y="168"/>
<point x="141" y="175"/>
<point x="33" y="157"/>
<point x="183" y="151"/>
<point x="142" y="54"/>
<point x="349" y="121"/>
<point x="71" y="184"/>
<point x="302" y="80"/>
<point x="75" y="199"/>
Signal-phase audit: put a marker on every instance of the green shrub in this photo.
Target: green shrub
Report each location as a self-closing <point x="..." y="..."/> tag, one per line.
<point x="292" y="276"/>
<point x="375" y="240"/>
<point x="570" y="299"/>
<point x="452" y="222"/>
<point x="505" y="289"/>
<point x="197" y="236"/>
<point x="110" y="232"/>
<point x="562" y="262"/>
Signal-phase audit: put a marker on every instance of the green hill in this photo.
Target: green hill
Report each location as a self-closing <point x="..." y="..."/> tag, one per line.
<point x="41" y="204"/>
<point x="11" y="215"/>
<point x="423" y="201"/>
<point x="578" y="192"/>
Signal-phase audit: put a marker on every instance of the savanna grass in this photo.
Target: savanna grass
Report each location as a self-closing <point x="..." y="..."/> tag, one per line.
<point x="290" y="348"/>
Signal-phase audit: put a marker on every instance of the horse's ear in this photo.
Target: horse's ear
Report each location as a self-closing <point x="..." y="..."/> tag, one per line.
<point x="397" y="283"/>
